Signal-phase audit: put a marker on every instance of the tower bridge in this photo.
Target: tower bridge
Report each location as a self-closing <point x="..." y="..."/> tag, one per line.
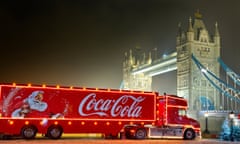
<point x="197" y="62"/>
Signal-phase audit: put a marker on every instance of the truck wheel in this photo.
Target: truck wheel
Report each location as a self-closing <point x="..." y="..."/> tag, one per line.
<point x="189" y="134"/>
<point x="28" y="132"/>
<point x="54" y="132"/>
<point x="140" y="134"/>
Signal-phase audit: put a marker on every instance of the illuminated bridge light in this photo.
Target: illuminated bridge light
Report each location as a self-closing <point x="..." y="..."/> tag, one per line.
<point x="163" y="70"/>
<point x="165" y="56"/>
<point x="167" y="64"/>
<point x="203" y="70"/>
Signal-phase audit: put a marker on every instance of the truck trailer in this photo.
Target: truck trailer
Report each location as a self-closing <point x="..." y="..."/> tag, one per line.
<point x="26" y="110"/>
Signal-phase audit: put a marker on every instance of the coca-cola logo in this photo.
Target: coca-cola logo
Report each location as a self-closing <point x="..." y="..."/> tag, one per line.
<point x="124" y="106"/>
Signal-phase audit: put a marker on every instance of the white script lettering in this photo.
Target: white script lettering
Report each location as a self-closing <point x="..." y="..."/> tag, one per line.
<point x="124" y="106"/>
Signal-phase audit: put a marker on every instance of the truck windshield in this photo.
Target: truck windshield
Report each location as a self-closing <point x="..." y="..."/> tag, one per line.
<point x="182" y="112"/>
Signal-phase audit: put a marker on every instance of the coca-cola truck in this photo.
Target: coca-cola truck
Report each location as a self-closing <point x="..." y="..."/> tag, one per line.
<point x="26" y="110"/>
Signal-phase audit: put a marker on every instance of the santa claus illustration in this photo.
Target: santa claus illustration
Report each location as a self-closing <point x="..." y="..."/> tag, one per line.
<point x="33" y="102"/>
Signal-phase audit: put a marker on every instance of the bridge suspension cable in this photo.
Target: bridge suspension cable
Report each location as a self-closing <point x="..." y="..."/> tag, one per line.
<point x="235" y="77"/>
<point x="226" y="89"/>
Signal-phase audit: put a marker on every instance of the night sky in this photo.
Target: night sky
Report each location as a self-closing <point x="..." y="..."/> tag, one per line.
<point x="82" y="42"/>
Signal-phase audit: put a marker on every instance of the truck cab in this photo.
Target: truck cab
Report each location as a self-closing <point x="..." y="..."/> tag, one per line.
<point x="171" y="121"/>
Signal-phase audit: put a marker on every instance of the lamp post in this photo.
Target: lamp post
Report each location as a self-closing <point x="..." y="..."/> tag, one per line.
<point x="231" y="116"/>
<point x="206" y="131"/>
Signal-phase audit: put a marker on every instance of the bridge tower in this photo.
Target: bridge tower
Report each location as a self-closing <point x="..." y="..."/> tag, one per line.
<point x="191" y="85"/>
<point x="136" y="58"/>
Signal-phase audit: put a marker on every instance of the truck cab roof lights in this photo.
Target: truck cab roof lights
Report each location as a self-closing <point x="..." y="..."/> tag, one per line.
<point x="43" y="85"/>
<point x="14" y="84"/>
<point x="29" y="85"/>
<point x="57" y="86"/>
<point x="184" y="107"/>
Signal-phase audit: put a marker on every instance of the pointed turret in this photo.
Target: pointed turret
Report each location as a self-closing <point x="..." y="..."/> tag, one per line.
<point x="178" y="42"/>
<point x="179" y="29"/>
<point x="190" y="32"/>
<point x="150" y="58"/>
<point x="216" y="30"/>
<point x="190" y="28"/>
<point x="125" y="62"/>
<point x="144" y="59"/>
<point x="216" y="35"/>
<point x="130" y="57"/>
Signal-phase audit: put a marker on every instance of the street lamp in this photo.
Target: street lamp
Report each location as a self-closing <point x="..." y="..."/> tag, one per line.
<point x="231" y="116"/>
<point x="206" y="131"/>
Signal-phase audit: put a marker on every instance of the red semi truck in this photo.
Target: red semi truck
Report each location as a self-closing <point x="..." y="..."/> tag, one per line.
<point x="26" y="110"/>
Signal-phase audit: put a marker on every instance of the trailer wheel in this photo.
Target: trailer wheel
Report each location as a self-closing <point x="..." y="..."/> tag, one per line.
<point x="189" y="134"/>
<point x="54" y="132"/>
<point x="140" y="134"/>
<point x="28" y="132"/>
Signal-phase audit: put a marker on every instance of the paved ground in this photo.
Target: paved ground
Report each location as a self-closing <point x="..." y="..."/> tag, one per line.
<point x="103" y="141"/>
